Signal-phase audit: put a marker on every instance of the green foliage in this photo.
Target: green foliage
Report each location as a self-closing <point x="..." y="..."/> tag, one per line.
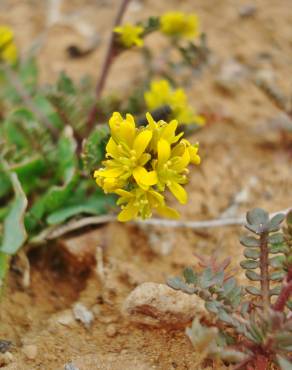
<point x="45" y="179"/>
<point x="248" y="310"/>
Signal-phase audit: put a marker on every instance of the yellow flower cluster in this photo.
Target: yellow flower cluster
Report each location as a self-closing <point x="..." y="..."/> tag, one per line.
<point x="178" y="24"/>
<point x="161" y="93"/>
<point x="142" y="162"/>
<point x="129" y="35"/>
<point x="8" y="51"/>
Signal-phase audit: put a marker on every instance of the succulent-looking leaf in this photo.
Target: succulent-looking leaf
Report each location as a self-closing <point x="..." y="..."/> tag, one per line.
<point x="252" y="253"/>
<point x="257" y="216"/>
<point x="249" y="264"/>
<point x="190" y="276"/>
<point x="252" y="275"/>
<point x="277" y="248"/>
<point x="14" y="233"/>
<point x="253" y="290"/>
<point x="276" y="221"/>
<point x="225" y="317"/>
<point x="212" y="306"/>
<point x="276" y="238"/>
<point x="249" y="241"/>
<point x="284" y="363"/>
<point x="277" y="276"/>
<point x="277" y="262"/>
<point x="275" y="291"/>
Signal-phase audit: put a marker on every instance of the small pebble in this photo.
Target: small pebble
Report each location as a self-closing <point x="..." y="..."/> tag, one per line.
<point x="81" y="313"/>
<point x="111" y="330"/>
<point x="30" y="351"/>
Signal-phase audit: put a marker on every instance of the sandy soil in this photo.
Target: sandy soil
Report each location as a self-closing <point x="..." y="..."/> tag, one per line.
<point x="241" y="151"/>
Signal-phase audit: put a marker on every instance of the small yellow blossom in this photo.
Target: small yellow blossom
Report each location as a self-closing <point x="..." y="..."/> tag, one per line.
<point x="178" y="24"/>
<point x="161" y="93"/>
<point x="130" y="35"/>
<point x="8" y="51"/>
<point x="141" y="162"/>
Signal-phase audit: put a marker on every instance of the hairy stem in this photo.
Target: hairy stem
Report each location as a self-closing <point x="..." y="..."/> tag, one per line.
<point x="264" y="268"/>
<point x="108" y="60"/>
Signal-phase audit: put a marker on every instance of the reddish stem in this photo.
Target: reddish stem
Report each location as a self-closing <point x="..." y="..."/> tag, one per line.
<point x="285" y="294"/>
<point x="264" y="268"/>
<point x="111" y="53"/>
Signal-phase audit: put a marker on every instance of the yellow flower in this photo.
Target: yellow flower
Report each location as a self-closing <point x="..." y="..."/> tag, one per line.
<point x="161" y="93"/>
<point x="171" y="166"/>
<point x="178" y="24"/>
<point x="139" y="202"/>
<point x="130" y="35"/>
<point x="126" y="150"/>
<point x="141" y="162"/>
<point x="8" y="51"/>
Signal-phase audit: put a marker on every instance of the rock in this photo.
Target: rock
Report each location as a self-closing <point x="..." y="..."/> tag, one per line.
<point x="231" y="75"/>
<point x="80" y="251"/>
<point x="111" y="330"/>
<point x="81" y="313"/>
<point x="247" y="10"/>
<point x="30" y="351"/>
<point x="70" y="366"/>
<point x="158" y="305"/>
<point x="66" y="318"/>
<point x="5" y="358"/>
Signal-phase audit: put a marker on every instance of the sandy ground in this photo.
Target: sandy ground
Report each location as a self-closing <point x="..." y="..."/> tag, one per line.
<point x="241" y="152"/>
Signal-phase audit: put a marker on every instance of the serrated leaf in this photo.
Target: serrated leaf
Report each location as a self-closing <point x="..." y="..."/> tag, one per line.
<point x="257" y="216"/>
<point x="249" y="241"/>
<point x="94" y="148"/>
<point x="14" y="232"/>
<point x="252" y="275"/>
<point x="252" y="253"/>
<point x="253" y="290"/>
<point x="65" y="84"/>
<point x="249" y="264"/>
<point x="190" y="276"/>
<point x="277" y="276"/>
<point x="284" y="363"/>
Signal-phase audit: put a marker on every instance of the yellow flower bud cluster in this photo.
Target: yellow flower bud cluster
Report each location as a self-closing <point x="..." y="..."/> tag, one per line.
<point x="161" y="93"/>
<point x="142" y="162"/>
<point x="8" y="51"/>
<point x="172" y="24"/>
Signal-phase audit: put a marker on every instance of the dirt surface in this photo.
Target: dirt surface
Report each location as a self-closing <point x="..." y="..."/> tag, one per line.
<point x="242" y="153"/>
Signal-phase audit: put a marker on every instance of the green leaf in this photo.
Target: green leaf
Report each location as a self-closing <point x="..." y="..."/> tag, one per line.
<point x="65" y="84"/>
<point x="175" y="283"/>
<point x="284" y="363"/>
<point x="249" y="264"/>
<point x="257" y="216"/>
<point x="249" y="241"/>
<point x="94" y="148"/>
<point x="47" y="109"/>
<point x="225" y="317"/>
<point x="277" y="248"/>
<point x="276" y="221"/>
<point x="206" y="278"/>
<point x="252" y="275"/>
<point x="4" y="266"/>
<point x="93" y="206"/>
<point x="190" y="276"/>
<point x="277" y="276"/>
<point x="275" y="291"/>
<point x="276" y="238"/>
<point x="28" y="74"/>
<point x="277" y="262"/>
<point x="253" y="290"/>
<point x="14" y="232"/>
<point x="212" y="306"/>
<point x="252" y="253"/>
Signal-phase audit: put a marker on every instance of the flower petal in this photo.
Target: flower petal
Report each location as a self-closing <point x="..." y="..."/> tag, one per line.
<point x="141" y="142"/>
<point x="143" y="178"/>
<point x="178" y="191"/>
<point x="163" y="148"/>
<point x="112" y="149"/>
<point x="112" y="172"/>
<point x="128" y="213"/>
<point x="165" y="211"/>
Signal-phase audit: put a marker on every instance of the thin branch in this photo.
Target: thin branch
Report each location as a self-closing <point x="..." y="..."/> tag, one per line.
<point x="264" y="268"/>
<point x="284" y="296"/>
<point x="27" y="100"/>
<point x="108" y="60"/>
<point x="57" y="231"/>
